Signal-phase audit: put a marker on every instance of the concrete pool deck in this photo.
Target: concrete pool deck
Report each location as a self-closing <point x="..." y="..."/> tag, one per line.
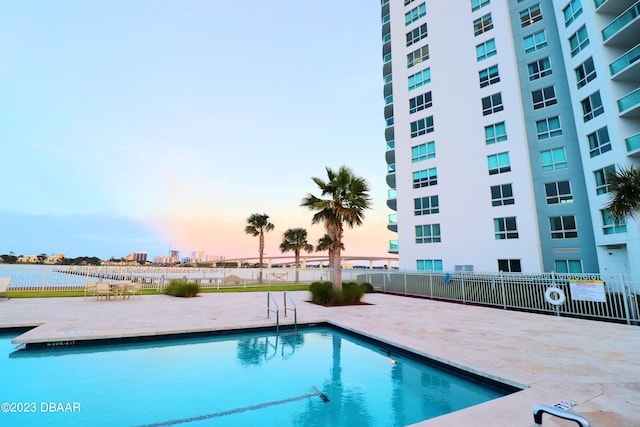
<point x="594" y="364"/>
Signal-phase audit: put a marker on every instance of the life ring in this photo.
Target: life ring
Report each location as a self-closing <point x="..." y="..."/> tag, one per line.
<point x="557" y="301"/>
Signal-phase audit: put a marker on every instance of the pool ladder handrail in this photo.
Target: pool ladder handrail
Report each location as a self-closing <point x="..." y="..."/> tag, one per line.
<point x="294" y="309"/>
<point x="538" y="410"/>
<point x="276" y="310"/>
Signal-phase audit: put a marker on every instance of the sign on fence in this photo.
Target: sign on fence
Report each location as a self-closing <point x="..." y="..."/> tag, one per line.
<point x="587" y="290"/>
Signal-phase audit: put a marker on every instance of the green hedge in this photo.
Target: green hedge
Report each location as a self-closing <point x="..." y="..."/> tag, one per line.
<point x="323" y="293"/>
<point x="182" y="288"/>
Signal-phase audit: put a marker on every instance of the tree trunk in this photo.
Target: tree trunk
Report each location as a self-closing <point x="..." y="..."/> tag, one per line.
<point x="337" y="264"/>
<point x="297" y="252"/>
<point x="261" y="258"/>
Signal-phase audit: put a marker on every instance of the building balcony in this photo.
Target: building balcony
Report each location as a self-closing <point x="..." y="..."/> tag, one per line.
<point x="393" y="223"/>
<point x="625" y="29"/>
<point x="627" y="66"/>
<point x="391" y="199"/>
<point x="390" y="157"/>
<point x="629" y="105"/>
<point x="391" y="180"/>
<point x="391" y="168"/>
<point x="612" y="6"/>
<point x="393" y="246"/>
<point x="633" y="145"/>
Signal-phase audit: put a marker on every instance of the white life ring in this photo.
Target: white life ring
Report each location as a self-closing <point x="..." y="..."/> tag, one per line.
<point x="554" y="301"/>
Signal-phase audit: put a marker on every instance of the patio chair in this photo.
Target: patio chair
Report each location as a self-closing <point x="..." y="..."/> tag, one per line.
<point x="132" y="289"/>
<point x="103" y="289"/>
<point x="89" y="287"/>
<point x="4" y="286"/>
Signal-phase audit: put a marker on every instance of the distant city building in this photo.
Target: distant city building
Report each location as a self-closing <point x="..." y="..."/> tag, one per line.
<point x="174" y="257"/>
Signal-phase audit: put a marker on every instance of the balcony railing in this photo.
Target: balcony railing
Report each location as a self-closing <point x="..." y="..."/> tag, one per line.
<point x="633" y="143"/>
<point x="620" y="64"/>
<point x="629" y="103"/>
<point x="625" y="18"/>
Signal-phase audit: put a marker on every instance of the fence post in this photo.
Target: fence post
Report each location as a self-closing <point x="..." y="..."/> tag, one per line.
<point x="462" y="284"/>
<point x="431" y="284"/>
<point x="629" y="306"/>
<point x="404" y="275"/>
<point x="504" y="294"/>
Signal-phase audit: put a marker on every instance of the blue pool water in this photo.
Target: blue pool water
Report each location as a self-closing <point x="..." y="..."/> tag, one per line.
<point x="319" y="377"/>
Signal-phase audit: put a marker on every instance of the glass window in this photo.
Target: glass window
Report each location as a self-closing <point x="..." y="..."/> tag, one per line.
<point x="585" y="72"/>
<point x="530" y="15"/>
<point x="477" y="4"/>
<point x="548" y="128"/>
<point x="420" y="102"/>
<point x="416" y="13"/>
<point x="492" y="104"/>
<point x="579" y="40"/>
<point x="422" y="126"/>
<point x="416" y="34"/>
<point x="563" y="227"/>
<point x="499" y="163"/>
<point x="535" y="42"/>
<point x="423" y="152"/>
<point x="544" y="97"/>
<point x="611" y="225"/>
<point x="539" y="69"/>
<point x="418" y="56"/>
<point x="509" y="265"/>
<point x="505" y="228"/>
<point x="571" y="12"/>
<point x="558" y="192"/>
<point x="425" y="178"/>
<point x="599" y="142"/>
<point x="553" y="159"/>
<point x="482" y="25"/>
<point x="489" y="76"/>
<point x="502" y="195"/>
<point x="419" y="79"/>
<point x="494" y="133"/>
<point x="568" y="266"/>
<point x="426" y="205"/>
<point x="602" y="178"/>
<point x="429" y="264"/>
<point x="407" y="2"/>
<point x="592" y="106"/>
<point x="429" y="233"/>
<point x="486" y="50"/>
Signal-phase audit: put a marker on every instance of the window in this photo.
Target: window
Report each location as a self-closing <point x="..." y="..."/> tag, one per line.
<point x="502" y="195"/>
<point x="505" y="228"/>
<point x="509" y="265"/>
<point x="496" y="132"/>
<point x="499" y="163"/>
<point x="592" y="106"/>
<point x="563" y="227"/>
<point x="422" y="126"/>
<point x="429" y="233"/>
<point x="530" y="15"/>
<point x="423" y="152"/>
<point x="429" y="264"/>
<point x="419" y="79"/>
<point x="406" y="2"/>
<point x="553" y="159"/>
<point x="539" y="69"/>
<point x="425" y="178"/>
<point x="571" y="12"/>
<point x="579" y="40"/>
<point x="477" y="4"/>
<point x="426" y="205"/>
<point x="416" y="34"/>
<point x="535" y="42"/>
<point x="417" y="56"/>
<point x="568" y="265"/>
<point x="585" y="72"/>
<point x="492" y="104"/>
<point x="489" y="76"/>
<point x="602" y="178"/>
<point x="414" y="14"/>
<point x="482" y="25"/>
<point x="420" y="102"/>
<point x="610" y="225"/>
<point x="548" y="128"/>
<point x="599" y="142"/>
<point x="558" y="192"/>
<point x="486" y="50"/>
<point x="544" y="97"/>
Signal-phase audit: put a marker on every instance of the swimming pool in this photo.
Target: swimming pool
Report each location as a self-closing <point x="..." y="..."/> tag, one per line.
<point x="315" y="377"/>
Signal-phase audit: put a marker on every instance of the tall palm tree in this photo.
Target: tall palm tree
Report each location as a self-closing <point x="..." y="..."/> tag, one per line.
<point x="258" y="225"/>
<point x="295" y="239"/>
<point x="347" y="196"/>
<point x="624" y="187"/>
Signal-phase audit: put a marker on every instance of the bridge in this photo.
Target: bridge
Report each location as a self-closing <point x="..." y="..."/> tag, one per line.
<point x="304" y="259"/>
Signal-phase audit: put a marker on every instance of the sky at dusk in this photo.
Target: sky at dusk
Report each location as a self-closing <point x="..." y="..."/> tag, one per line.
<point x="147" y="125"/>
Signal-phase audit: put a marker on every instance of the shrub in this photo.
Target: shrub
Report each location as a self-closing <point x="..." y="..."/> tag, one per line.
<point x="352" y="293"/>
<point x="368" y="287"/>
<point x="321" y="292"/>
<point x="182" y="288"/>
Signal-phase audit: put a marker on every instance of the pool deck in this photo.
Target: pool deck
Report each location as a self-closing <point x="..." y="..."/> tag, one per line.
<point x="595" y="364"/>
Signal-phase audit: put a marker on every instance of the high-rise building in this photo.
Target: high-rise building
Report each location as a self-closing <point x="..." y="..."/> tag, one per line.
<point x="503" y="120"/>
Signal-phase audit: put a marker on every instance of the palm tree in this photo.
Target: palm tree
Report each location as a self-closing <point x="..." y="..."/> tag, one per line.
<point x="624" y="186"/>
<point x="348" y="197"/>
<point x="258" y="225"/>
<point x="326" y="244"/>
<point x="295" y="239"/>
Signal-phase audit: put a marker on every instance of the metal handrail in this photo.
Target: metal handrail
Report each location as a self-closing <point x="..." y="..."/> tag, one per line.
<point x="294" y="309"/>
<point x="538" y="410"/>
<point x="270" y="298"/>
